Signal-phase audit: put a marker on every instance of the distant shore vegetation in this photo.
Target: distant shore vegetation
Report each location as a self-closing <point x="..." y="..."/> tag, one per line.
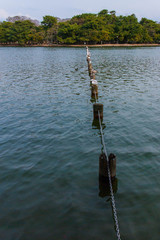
<point x="102" y="28"/>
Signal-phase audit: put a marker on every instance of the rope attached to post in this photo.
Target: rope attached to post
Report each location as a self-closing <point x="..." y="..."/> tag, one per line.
<point x="110" y="184"/>
<point x="105" y="151"/>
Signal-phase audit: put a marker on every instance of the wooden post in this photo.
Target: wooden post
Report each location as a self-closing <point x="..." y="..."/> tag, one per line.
<point x="91" y="81"/>
<point x="97" y="107"/>
<point x="94" y="82"/>
<point x="93" y="74"/>
<point x="90" y="68"/>
<point x="88" y="53"/>
<point x="88" y="58"/>
<point x="112" y="164"/>
<point x="103" y="166"/>
<point x="94" y="89"/>
<point x="104" y="185"/>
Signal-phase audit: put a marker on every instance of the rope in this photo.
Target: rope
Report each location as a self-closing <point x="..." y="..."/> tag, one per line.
<point x="110" y="184"/>
<point x="109" y="174"/>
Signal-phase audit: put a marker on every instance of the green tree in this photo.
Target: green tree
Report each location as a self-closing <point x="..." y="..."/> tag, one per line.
<point x="104" y="12"/>
<point x="104" y="27"/>
<point x="128" y="30"/>
<point x="48" y="22"/>
<point x="151" y="29"/>
<point x="20" y="31"/>
<point x="67" y="33"/>
<point x="36" y="36"/>
<point x="6" y="36"/>
<point x="51" y="35"/>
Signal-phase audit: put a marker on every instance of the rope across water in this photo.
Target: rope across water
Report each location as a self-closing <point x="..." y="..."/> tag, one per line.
<point x="110" y="184"/>
<point x="108" y="169"/>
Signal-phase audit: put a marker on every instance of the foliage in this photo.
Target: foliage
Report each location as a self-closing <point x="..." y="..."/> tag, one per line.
<point x="48" y="21"/>
<point x="104" y="27"/>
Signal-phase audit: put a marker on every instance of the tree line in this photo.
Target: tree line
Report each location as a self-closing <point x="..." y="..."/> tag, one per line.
<point x="104" y="27"/>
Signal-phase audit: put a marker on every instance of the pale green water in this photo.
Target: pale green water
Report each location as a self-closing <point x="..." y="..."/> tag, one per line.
<point x="49" y="151"/>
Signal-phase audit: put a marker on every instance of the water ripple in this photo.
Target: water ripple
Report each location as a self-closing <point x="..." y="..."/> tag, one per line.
<point x="49" y="149"/>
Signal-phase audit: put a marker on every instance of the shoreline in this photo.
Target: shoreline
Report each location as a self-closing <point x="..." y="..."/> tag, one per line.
<point x="82" y="45"/>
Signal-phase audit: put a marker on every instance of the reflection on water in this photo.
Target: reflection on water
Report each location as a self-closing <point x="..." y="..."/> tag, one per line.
<point x="95" y="124"/>
<point x="104" y="188"/>
<point x="93" y="99"/>
<point x="104" y="164"/>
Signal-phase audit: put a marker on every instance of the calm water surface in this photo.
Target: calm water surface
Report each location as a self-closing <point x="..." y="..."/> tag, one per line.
<point x="49" y="150"/>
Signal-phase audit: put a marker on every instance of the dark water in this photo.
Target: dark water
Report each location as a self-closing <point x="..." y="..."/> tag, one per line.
<point x="49" y="151"/>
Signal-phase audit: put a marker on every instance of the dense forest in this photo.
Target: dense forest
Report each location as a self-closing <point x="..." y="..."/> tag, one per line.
<point x="104" y="27"/>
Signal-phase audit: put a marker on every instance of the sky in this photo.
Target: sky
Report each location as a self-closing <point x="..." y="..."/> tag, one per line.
<point x="36" y="9"/>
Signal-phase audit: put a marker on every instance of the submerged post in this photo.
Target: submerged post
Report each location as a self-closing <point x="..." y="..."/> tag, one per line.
<point x="94" y="88"/>
<point x="103" y="166"/>
<point x="93" y="76"/>
<point x="112" y="164"/>
<point x="97" y="107"/>
<point x="90" y="68"/>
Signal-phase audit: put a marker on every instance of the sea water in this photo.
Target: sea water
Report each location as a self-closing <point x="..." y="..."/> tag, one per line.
<point x="49" y="147"/>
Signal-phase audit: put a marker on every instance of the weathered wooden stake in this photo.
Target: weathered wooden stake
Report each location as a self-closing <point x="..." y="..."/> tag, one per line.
<point x="91" y="80"/>
<point x="97" y="107"/>
<point x="112" y="164"/>
<point x="103" y="166"/>
<point x="104" y="186"/>
<point x="92" y="76"/>
<point x="88" y="59"/>
<point x="94" y="89"/>
<point x="90" y="68"/>
<point x="88" y="53"/>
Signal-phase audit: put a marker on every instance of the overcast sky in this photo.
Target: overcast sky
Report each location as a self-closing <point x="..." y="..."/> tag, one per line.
<point x="65" y="9"/>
